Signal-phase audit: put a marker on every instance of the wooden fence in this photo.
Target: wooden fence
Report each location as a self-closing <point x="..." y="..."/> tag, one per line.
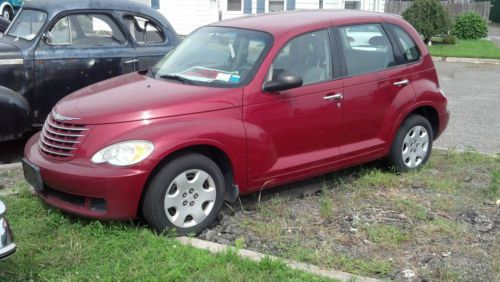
<point x="454" y="9"/>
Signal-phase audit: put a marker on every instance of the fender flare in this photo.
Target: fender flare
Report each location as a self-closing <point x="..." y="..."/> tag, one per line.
<point x="15" y="114"/>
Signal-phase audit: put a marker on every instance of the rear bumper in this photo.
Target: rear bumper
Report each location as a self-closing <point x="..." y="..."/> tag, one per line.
<point x="444" y="118"/>
<point x="82" y="188"/>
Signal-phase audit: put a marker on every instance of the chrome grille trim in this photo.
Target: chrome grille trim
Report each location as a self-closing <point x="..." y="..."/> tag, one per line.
<point x="52" y="152"/>
<point x="58" y="140"/>
<point x="62" y="134"/>
<point x="55" y="146"/>
<point x="66" y="128"/>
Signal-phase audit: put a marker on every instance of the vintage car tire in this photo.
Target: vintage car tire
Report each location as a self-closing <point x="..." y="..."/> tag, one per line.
<point x="7" y="13"/>
<point x="164" y="201"/>
<point x="406" y="140"/>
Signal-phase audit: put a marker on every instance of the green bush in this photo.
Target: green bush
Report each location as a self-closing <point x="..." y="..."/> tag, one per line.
<point x="428" y="17"/>
<point x="470" y="26"/>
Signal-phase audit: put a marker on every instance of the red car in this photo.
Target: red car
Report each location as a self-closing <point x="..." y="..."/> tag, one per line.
<point x="238" y="106"/>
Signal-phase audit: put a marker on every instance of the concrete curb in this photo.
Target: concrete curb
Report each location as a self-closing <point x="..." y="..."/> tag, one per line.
<point x="255" y="256"/>
<point x="11" y="166"/>
<point x="466" y="60"/>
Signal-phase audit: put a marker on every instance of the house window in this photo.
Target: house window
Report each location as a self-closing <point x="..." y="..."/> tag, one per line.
<point x="276" y="5"/>
<point x="234" y="5"/>
<point x="353" y="5"/>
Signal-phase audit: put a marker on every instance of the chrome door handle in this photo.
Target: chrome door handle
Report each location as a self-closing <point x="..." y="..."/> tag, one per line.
<point x="401" y="83"/>
<point x="131" y="61"/>
<point x="337" y="96"/>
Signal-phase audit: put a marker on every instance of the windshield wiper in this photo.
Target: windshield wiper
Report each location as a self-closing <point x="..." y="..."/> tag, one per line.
<point x="178" y="78"/>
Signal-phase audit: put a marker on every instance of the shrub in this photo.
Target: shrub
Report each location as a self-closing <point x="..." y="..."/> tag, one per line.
<point x="428" y="17"/>
<point x="470" y="26"/>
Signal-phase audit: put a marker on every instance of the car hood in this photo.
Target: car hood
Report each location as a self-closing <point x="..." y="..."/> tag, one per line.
<point x="136" y="96"/>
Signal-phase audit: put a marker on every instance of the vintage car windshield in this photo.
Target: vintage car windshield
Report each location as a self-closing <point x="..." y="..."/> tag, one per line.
<point x="27" y="24"/>
<point x="215" y="56"/>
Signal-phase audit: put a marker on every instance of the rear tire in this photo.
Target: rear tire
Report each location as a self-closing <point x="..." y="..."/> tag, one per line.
<point x="412" y="145"/>
<point x="186" y="195"/>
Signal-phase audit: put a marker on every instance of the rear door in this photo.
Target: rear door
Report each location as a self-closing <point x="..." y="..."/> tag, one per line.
<point x="151" y="40"/>
<point x="80" y="49"/>
<point x="375" y="86"/>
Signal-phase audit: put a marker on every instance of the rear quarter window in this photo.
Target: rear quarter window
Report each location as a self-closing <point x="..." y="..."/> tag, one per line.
<point x="409" y="47"/>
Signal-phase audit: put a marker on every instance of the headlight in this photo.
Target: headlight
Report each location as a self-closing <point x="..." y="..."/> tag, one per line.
<point x="124" y="153"/>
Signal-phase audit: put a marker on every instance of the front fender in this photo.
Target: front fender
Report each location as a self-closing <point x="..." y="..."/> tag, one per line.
<point x="15" y="115"/>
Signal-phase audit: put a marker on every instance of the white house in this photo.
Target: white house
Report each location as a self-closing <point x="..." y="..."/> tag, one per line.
<point x="187" y="15"/>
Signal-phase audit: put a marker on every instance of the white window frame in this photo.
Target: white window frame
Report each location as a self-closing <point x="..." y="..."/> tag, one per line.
<point x="234" y="11"/>
<point x="284" y="6"/>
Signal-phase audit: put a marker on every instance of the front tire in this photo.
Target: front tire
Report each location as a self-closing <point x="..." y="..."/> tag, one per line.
<point x="186" y="195"/>
<point x="7" y="13"/>
<point x="412" y="145"/>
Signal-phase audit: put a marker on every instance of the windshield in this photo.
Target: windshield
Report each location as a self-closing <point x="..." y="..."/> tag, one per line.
<point x="215" y="56"/>
<point x="27" y="24"/>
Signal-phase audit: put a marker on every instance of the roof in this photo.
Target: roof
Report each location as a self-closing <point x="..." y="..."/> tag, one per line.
<point x="284" y="22"/>
<point x="54" y="7"/>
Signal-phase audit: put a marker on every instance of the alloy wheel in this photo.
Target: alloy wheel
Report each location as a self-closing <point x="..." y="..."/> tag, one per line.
<point x="415" y="146"/>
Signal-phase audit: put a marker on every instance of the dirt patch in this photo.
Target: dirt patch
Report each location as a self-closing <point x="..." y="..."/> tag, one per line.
<point x="437" y="224"/>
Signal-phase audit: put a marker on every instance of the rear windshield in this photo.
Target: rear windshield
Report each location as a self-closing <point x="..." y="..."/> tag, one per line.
<point x="27" y="24"/>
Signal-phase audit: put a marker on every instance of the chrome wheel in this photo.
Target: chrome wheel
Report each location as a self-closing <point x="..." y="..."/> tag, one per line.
<point x="415" y="146"/>
<point x="190" y="198"/>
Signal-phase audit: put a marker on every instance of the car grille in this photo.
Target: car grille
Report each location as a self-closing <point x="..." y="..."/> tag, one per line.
<point x="60" y="139"/>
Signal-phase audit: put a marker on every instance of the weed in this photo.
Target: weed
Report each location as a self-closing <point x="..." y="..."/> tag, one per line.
<point x="386" y="234"/>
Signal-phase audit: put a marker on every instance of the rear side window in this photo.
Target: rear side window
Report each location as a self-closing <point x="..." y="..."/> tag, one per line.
<point x="366" y="48"/>
<point x="410" y="49"/>
<point x="308" y="55"/>
<point x="144" y="31"/>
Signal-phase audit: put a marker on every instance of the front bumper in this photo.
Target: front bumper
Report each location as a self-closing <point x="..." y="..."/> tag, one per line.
<point x="90" y="190"/>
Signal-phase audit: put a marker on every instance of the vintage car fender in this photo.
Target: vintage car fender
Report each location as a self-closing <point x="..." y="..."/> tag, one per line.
<point x="15" y="114"/>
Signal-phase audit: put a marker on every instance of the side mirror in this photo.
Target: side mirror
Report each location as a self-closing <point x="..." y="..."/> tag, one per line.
<point x="48" y="37"/>
<point x="284" y="81"/>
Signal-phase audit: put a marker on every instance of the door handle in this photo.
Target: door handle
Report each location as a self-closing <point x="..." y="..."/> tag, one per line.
<point x="338" y="96"/>
<point x="402" y="83"/>
<point x="131" y="61"/>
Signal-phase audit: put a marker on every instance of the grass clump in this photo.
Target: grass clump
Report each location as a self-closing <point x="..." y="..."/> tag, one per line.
<point x="386" y="234"/>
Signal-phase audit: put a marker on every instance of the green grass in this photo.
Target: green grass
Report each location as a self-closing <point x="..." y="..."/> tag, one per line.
<point x="55" y="247"/>
<point x="466" y="49"/>
<point x="386" y="234"/>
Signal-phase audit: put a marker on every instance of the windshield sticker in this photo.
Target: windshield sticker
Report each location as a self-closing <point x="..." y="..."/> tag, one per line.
<point x="234" y="78"/>
<point x="209" y="75"/>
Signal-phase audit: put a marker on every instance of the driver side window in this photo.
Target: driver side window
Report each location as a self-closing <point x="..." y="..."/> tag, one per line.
<point x="308" y="55"/>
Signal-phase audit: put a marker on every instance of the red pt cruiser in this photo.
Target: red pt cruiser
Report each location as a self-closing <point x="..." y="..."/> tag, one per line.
<point x="239" y="105"/>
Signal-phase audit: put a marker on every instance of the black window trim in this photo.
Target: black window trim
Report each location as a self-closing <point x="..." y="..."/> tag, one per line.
<point x="396" y="50"/>
<point x="403" y="61"/>
<point x="334" y="63"/>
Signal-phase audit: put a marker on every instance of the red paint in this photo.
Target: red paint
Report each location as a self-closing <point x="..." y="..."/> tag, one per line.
<point x="270" y="139"/>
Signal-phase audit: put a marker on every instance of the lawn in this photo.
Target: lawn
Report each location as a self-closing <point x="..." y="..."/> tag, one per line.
<point x="466" y="49"/>
<point x="57" y="247"/>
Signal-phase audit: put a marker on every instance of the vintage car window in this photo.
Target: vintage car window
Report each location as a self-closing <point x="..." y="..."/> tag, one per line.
<point x="410" y="49"/>
<point x="366" y="48"/>
<point x="94" y="30"/>
<point x="308" y="55"/>
<point x="215" y="56"/>
<point x="27" y="24"/>
<point x="144" y="31"/>
<point x="60" y="34"/>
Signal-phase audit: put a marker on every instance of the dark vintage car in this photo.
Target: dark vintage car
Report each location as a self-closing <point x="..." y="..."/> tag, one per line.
<point x="53" y="48"/>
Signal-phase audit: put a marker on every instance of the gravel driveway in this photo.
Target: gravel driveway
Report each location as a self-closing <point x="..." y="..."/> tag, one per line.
<point x="473" y="92"/>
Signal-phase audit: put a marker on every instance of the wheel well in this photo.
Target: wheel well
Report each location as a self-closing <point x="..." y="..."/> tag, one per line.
<point x="214" y="153"/>
<point x="431" y="115"/>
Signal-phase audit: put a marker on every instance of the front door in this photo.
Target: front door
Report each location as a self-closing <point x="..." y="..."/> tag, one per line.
<point x="79" y="50"/>
<point x="297" y="132"/>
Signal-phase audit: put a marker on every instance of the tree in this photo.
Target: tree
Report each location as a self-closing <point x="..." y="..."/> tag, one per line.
<point x="428" y="17"/>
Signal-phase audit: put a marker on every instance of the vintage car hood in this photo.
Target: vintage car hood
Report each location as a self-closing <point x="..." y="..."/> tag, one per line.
<point x="136" y="96"/>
